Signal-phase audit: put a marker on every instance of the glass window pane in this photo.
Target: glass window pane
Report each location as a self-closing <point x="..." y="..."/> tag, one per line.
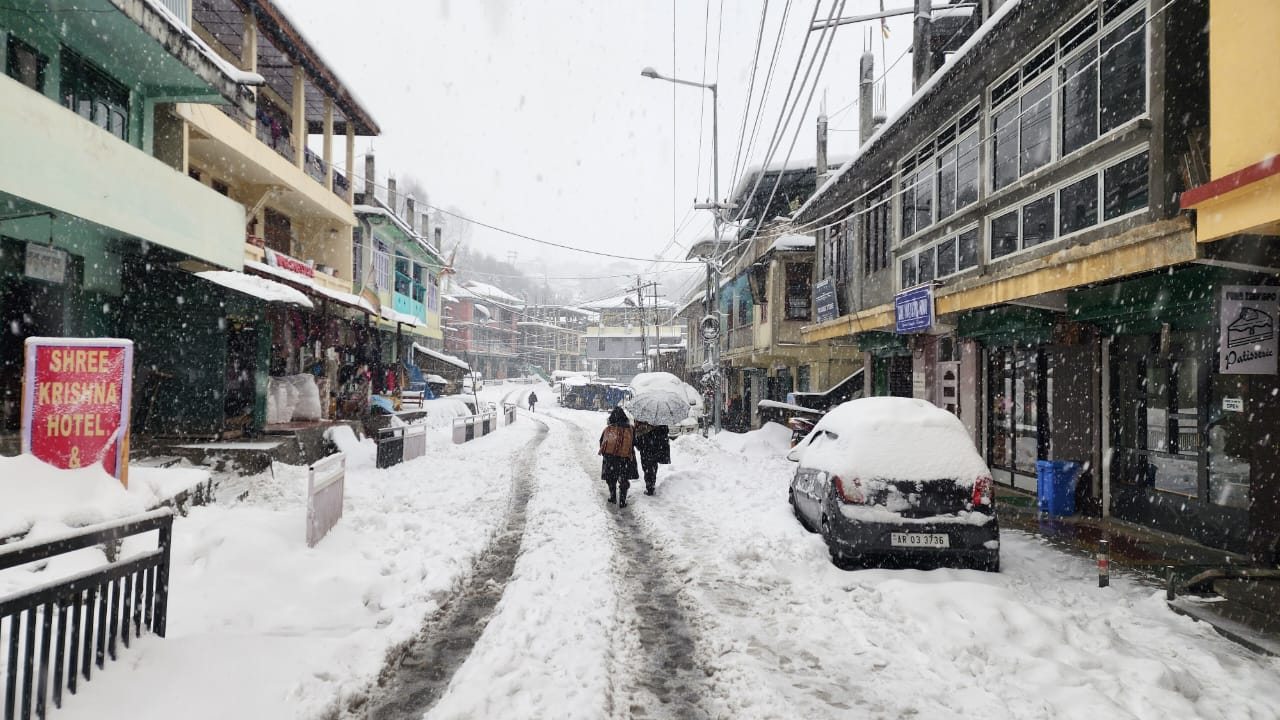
<point x="1035" y="141"/>
<point x="1026" y="412"/>
<point x="908" y="196"/>
<point x="1079" y="101"/>
<point x="1037" y="222"/>
<point x="1078" y="205"/>
<point x="946" y="257"/>
<point x="1228" y="438"/>
<point x="1004" y="234"/>
<point x="968" y="249"/>
<point x="1005" y="169"/>
<point x="1124" y="187"/>
<point x="925" y="266"/>
<point x="924" y="197"/>
<point x="1157" y="387"/>
<point x="1122" y="73"/>
<point x="947" y="183"/>
<point x="908" y="271"/>
<point x="967" y="170"/>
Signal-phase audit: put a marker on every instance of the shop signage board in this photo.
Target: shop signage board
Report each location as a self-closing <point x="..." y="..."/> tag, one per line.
<point x="1231" y="404"/>
<point x="46" y="264"/>
<point x="284" y="262"/>
<point x="75" y="402"/>
<point x="825" y="302"/>
<point x="1247" y="329"/>
<point x="913" y="310"/>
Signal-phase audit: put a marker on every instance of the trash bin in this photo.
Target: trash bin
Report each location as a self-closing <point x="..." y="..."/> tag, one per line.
<point x="1056" y="486"/>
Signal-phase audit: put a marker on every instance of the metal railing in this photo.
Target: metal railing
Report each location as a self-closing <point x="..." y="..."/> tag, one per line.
<point x="80" y="618"/>
<point x="508" y="413"/>
<point x="326" y="488"/>
<point x="181" y="9"/>
<point x="471" y="427"/>
<point x="401" y="444"/>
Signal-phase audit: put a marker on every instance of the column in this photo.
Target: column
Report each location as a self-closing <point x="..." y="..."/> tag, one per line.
<point x="299" y="116"/>
<point x="249" y="60"/>
<point x="328" y="143"/>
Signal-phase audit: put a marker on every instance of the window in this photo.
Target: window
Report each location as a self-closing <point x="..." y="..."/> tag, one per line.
<point x="1122" y="73"/>
<point x="967" y="249"/>
<point x="1005" y="148"/>
<point x="600" y="345"/>
<point x="1079" y="101"/>
<point x="94" y="95"/>
<point x="925" y="269"/>
<point x="1004" y="234"/>
<point x="945" y="183"/>
<point x="873" y="226"/>
<point x="1037" y="221"/>
<point x="220" y="187"/>
<point x="798" y="291"/>
<point x="24" y="64"/>
<point x="908" y="271"/>
<point x="1078" y="205"/>
<point x="357" y="254"/>
<point x="947" y="257"/>
<point x="1034" y="141"/>
<point x="278" y="233"/>
<point x="967" y="168"/>
<point x="1124" y="187"/>
<point x="381" y="265"/>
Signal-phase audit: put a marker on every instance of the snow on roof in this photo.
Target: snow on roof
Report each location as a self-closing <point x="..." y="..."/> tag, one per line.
<point x="441" y="356"/>
<point x="434" y="379"/>
<point x="626" y="301"/>
<point x="483" y="310"/>
<point x="984" y="30"/>
<point x="794" y="242"/>
<point x="381" y="209"/>
<point x="391" y="315"/>
<point x="488" y="291"/>
<point x="893" y="438"/>
<point x="449" y="298"/>
<point x="258" y="287"/>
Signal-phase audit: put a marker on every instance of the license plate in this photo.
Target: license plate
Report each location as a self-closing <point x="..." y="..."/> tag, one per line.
<point x="923" y="540"/>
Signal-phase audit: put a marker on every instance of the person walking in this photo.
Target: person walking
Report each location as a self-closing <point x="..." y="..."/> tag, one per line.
<point x="654" y="444"/>
<point x="618" y="459"/>
<point x="533" y="400"/>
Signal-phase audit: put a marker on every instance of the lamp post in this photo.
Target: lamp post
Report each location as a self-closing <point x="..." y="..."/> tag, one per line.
<point x="713" y="266"/>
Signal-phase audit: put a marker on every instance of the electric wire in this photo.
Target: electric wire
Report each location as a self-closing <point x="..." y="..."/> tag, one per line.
<point x="746" y="106"/>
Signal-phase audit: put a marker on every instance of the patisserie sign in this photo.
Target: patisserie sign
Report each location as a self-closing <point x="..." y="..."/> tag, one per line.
<point x="1247" y="329"/>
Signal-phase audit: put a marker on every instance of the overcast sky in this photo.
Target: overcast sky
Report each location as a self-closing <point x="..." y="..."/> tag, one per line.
<point x="532" y="114"/>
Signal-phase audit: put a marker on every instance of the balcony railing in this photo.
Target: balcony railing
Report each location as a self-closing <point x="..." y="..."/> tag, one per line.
<point x="740" y="337"/>
<point x="181" y="9"/>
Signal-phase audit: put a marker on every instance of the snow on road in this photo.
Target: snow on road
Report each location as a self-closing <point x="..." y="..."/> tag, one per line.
<point x="708" y="600"/>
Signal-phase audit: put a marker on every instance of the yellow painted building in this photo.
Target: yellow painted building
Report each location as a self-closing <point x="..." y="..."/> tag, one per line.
<point x="1244" y="109"/>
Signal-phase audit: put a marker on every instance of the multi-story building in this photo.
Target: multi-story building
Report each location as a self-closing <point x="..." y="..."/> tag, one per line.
<point x="628" y="334"/>
<point x="296" y="210"/>
<point x="551" y="337"/>
<point x="97" y="220"/>
<point x="1010" y="246"/>
<point x="480" y="323"/>
<point x="766" y="298"/>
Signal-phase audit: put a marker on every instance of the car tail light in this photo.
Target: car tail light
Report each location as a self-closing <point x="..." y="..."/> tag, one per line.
<point x="850" y="490"/>
<point x="983" y="492"/>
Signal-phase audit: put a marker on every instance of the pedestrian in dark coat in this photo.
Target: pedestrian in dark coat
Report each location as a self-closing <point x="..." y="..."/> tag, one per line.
<point x="654" y="444"/>
<point x="533" y="400"/>
<point x="617" y="450"/>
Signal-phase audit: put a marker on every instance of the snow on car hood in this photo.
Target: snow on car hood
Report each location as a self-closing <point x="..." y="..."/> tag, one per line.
<point x="892" y="438"/>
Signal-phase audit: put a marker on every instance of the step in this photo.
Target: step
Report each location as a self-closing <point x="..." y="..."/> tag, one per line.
<point x="1262" y="595"/>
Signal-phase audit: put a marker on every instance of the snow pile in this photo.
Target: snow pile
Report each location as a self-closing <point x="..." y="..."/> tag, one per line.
<point x="892" y="438"/>
<point x="32" y="492"/>
<point x="360" y="454"/>
<point x="255" y="286"/>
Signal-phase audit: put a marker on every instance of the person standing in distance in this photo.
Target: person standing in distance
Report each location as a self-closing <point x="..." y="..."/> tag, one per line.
<point x="618" y="458"/>
<point x="533" y="400"/>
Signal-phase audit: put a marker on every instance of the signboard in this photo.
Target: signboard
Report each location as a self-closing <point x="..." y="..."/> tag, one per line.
<point x="1231" y="404"/>
<point x="825" y="302"/>
<point x="284" y="262"/>
<point x="913" y="310"/>
<point x="75" y="402"/>
<point x="1247" y="330"/>
<point x="918" y="386"/>
<point x="46" y="263"/>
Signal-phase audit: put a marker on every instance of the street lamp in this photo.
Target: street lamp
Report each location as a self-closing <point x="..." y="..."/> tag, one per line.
<point x="713" y="266"/>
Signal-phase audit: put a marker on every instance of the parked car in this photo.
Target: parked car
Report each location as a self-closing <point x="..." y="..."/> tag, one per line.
<point x="471" y="380"/>
<point x="896" y="479"/>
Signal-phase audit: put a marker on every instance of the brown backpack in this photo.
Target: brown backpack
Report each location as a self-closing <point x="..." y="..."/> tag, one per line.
<point x="617" y="441"/>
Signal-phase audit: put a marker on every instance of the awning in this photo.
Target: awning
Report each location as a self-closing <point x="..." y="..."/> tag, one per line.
<point x="259" y="287"/>
<point x="398" y="317"/>
<point x="310" y="285"/>
<point x="441" y="356"/>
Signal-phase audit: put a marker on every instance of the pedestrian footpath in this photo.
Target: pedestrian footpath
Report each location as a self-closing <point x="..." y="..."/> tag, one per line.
<point x="1204" y="583"/>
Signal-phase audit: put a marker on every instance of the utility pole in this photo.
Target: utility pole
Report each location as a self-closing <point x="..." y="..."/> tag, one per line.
<point x="644" y="343"/>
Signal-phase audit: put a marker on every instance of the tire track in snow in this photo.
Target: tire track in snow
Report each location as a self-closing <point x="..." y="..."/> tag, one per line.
<point x="656" y="673"/>
<point x="417" y="677"/>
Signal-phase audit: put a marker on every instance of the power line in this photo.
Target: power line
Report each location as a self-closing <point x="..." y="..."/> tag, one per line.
<point x="768" y="84"/>
<point x="746" y="106"/>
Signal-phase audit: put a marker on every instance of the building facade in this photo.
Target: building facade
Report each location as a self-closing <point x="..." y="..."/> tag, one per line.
<point x="1011" y="247"/>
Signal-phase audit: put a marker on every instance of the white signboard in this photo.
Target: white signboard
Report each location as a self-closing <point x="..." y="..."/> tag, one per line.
<point x="46" y="263"/>
<point x="1247" y="330"/>
<point x="1231" y="404"/>
<point x="918" y="390"/>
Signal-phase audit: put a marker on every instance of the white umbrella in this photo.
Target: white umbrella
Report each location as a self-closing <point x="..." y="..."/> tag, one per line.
<point x="658" y="407"/>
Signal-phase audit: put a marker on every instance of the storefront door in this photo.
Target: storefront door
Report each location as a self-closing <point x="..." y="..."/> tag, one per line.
<point x="1018" y="414"/>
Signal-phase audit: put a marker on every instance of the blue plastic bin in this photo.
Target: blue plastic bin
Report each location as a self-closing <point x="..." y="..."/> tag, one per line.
<point x="1056" y="486"/>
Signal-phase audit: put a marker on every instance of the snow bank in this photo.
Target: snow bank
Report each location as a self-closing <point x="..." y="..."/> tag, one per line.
<point x="32" y="492"/>
<point x="892" y="438"/>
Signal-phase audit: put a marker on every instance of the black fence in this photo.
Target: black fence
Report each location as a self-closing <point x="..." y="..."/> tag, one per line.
<point x="55" y="633"/>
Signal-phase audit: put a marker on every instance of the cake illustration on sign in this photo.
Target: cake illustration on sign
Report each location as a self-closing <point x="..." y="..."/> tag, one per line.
<point x="1251" y="326"/>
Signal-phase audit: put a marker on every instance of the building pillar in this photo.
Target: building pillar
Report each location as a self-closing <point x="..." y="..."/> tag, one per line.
<point x="328" y="143"/>
<point x="351" y="162"/>
<point x="249" y="59"/>
<point x="299" y="116"/>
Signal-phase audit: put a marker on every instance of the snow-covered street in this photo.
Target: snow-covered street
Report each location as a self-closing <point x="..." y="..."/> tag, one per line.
<point x="492" y="580"/>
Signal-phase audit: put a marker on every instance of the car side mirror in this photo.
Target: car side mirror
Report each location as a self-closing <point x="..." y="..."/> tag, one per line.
<point x="794" y="454"/>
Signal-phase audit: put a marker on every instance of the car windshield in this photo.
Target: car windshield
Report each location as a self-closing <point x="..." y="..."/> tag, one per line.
<point x="661" y="359"/>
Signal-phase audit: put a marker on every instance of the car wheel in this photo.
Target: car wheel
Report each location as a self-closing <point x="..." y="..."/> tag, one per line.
<point x="990" y="563"/>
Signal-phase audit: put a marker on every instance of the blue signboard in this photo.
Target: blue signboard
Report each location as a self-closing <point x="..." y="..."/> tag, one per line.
<point x="913" y="310"/>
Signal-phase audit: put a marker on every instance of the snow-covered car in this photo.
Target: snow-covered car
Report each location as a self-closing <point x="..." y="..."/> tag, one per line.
<point x="896" y="478"/>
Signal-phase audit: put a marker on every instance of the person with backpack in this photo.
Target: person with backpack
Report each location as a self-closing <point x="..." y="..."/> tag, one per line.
<point x="618" y="458"/>
<point x="533" y="400"/>
<point x="654" y="444"/>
